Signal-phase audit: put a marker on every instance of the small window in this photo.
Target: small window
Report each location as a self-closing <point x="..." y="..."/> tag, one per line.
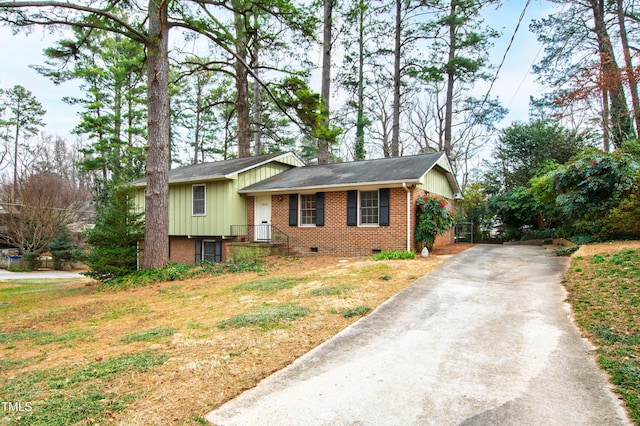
<point x="199" y="200"/>
<point x="212" y="251"/>
<point x="308" y="212"/>
<point x="369" y="204"/>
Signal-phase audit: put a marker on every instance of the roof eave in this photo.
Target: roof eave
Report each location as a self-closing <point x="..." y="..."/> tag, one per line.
<point x="332" y="188"/>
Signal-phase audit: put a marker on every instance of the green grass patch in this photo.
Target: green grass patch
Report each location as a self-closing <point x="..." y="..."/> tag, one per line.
<point x="604" y="291"/>
<point x="150" y="335"/>
<point x="81" y="395"/>
<point x="357" y="311"/>
<point x="394" y="255"/>
<point x="118" y="313"/>
<point x="179" y="272"/>
<point x="268" y="284"/>
<point x="22" y="294"/>
<point x="43" y="337"/>
<point x="139" y="362"/>
<point x="330" y="291"/>
<point x="7" y="364"/>
<point x="15" y="336"/>
<point x="266" y="317"/>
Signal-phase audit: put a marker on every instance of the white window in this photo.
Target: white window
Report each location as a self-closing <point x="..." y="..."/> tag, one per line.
<point x="199" y="200"/>
<point x="308" y="212"/>
<point x="369" y="206"/>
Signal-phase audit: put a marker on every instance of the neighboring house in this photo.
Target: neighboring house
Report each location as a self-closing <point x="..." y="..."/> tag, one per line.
<point x="204" y="203"/>
<point x="341" y="209"/>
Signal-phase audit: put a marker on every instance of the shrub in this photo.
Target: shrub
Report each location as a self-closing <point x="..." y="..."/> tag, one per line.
<point x="623" y="219"/>
<point x="392" y="255"/>
<point x="433" y="218"/>
<point x="62" y="250"/>
<point x="32" y="261"/>
<point x="566" y="251"/>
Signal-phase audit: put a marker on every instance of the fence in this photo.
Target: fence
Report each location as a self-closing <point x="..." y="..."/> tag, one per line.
<point x="464" y="232"/>
<point x="15" y="262"/>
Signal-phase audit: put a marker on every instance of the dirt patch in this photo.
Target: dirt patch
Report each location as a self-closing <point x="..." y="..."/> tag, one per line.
<point x="205" y="365"/>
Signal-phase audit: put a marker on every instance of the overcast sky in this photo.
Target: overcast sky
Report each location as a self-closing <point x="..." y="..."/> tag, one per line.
<point x="514" y="86"/>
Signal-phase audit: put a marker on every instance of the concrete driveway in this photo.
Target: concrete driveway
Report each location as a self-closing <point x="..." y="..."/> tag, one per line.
<point x="485" y="339"/>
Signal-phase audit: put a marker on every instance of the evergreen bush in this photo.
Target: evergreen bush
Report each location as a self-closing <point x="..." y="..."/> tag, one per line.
<point x="115" y="236"/>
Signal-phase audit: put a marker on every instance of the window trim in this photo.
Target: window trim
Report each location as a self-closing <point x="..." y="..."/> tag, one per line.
<point x="315" y="209"/>
<point x="204" y="200"/>
<point x="360" y="208"/>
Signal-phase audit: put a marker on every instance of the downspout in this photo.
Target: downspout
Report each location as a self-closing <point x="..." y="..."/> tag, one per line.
<point x="404" y="185"/>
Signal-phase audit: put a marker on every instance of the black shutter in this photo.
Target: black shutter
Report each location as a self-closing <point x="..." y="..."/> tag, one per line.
<point x="293" y="209"/>
<point x="352" y="208"/>
<point x="383" y="212"/>
<point x="198" y="250"/>
<point x="320" y="209"/>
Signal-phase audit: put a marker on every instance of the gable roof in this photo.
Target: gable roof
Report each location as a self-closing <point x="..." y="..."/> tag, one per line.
<point x="221" y="170"/>
<point x="387" y="171"/>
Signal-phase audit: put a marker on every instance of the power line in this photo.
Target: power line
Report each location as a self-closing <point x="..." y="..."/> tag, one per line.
<point x="504" y="57"/>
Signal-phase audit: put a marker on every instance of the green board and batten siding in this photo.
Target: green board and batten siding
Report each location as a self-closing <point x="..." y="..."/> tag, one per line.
<point x="436" y="181"/>
<point x="224" y="206"/>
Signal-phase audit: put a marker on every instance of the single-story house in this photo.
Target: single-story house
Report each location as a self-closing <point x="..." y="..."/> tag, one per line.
<point x="341" y="209"/>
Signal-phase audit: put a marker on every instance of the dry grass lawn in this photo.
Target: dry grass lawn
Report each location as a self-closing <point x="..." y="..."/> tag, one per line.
<point x="158" y="355"/>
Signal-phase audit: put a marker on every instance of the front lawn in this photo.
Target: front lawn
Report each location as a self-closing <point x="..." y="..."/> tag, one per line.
<point x="603" y="282"/>
<point x="73" y="352"/>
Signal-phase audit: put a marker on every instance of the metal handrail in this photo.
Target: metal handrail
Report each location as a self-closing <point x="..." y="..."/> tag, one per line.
<point x="260" y="234"/>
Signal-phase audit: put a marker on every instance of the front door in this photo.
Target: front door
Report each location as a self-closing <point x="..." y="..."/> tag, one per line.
<point x="262" y="218"/>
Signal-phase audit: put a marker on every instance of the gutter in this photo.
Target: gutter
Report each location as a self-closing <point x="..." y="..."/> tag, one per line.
<point x="404" y="185"/>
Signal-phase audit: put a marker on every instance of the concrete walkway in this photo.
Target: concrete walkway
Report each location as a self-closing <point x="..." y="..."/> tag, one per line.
<point x="485" y="339"/>
<point x="36" y="275"/>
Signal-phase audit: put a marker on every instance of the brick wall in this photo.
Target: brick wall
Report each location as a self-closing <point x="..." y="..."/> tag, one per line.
<point x="183" y="249"/>
<point x="338" y="239"/>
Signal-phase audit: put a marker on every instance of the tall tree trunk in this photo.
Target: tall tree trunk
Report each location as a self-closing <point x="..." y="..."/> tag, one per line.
<point x="628" y="63"/>
<point x="395" y="127"/>
<point x="451" y="78"/>
<point x="257" y="117"/>
<point x="323" y="144"/>
<point x="196" y="135"/>
<point x="606" y="147"/>
<point x="15" y="158"/>
<point x="117" y="128"/>
<point x="242" y="84"/>
<point x="156" y="249"/>
<point x="359" y="148"/>
<point x="621" y="127"/>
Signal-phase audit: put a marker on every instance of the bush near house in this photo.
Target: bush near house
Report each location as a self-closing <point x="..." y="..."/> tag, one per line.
<point x="433" y="218"/>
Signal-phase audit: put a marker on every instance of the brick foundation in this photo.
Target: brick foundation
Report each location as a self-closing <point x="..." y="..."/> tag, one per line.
<point x="183" y="249"/>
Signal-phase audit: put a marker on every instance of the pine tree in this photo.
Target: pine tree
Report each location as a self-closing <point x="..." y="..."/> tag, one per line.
<point x="114" y="238"/>
<point x="61" y="250"/>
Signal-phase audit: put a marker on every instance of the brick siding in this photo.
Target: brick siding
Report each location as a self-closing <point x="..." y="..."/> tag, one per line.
<point x="183" y="249"/>
<point x="338" y="239"/>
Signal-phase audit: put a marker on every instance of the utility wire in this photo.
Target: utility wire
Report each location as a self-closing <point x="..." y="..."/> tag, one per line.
<point x="504" y="56"/>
